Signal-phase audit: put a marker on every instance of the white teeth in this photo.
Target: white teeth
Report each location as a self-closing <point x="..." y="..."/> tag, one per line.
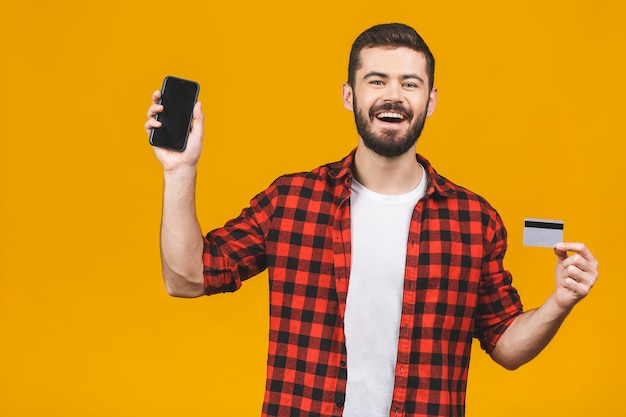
<point x="389" y="115"/>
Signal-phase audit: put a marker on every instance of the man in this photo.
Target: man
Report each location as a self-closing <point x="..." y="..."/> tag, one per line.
<point x="381" y="271"/>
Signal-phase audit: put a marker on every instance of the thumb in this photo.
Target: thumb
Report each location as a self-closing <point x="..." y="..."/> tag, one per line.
<point x="198" y="119"/>
<point x="560" y="251"/>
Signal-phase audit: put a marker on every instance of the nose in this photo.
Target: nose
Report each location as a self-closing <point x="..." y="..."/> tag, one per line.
<point x="392" y="93"/>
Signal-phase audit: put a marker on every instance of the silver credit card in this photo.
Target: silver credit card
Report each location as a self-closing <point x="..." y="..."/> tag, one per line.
<point x="543" y="233"/>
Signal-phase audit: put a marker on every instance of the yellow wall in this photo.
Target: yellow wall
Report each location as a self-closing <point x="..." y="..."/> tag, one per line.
<point x="530" y="115"/>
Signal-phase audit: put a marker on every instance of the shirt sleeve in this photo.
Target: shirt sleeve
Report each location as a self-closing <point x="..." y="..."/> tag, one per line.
<point x="236" y="251"/>
<point x="498" y="303"/>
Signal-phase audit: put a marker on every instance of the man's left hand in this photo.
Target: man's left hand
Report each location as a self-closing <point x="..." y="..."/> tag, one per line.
<point x="576" y="274"/>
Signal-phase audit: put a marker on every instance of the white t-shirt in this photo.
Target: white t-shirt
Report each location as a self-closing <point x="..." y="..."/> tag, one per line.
<point x="380" y="230"/>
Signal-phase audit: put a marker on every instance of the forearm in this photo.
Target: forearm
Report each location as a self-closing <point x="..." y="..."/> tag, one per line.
<point x="181" y="236"/>
<point x="529" y="334"/>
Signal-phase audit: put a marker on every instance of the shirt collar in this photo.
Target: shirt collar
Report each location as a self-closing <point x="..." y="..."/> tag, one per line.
<point x="436" y="183"/>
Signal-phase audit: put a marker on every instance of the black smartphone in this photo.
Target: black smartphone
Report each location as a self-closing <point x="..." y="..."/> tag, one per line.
<point x="178" y="97"/>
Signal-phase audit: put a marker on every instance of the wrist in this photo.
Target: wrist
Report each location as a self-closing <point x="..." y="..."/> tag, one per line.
<point x="556" y="310"/>
<point x="182" y="170"/>
<point x="180" y="181"/>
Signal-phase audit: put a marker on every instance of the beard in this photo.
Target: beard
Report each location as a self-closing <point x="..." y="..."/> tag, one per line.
<point x="388" y="143"/>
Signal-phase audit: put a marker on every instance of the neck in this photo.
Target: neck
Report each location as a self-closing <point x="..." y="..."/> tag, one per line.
<point x="385" y="175"/>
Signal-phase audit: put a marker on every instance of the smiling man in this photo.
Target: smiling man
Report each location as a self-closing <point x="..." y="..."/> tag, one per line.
<point x="391" y="98"/>
<point x="381" y="271"/>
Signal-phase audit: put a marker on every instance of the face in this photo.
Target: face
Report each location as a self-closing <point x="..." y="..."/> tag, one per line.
<point x="390" y="99"/>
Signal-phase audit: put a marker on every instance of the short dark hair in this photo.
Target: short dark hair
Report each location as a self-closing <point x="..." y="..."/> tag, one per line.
<point x="390" y="35"/>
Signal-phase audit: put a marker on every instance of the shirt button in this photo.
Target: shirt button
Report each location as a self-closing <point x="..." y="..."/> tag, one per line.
<point x="342" y="363"/>
<point x="339" y="404"/>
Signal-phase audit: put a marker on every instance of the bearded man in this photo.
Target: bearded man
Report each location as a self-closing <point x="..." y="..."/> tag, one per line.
<point x="381" y="270"/>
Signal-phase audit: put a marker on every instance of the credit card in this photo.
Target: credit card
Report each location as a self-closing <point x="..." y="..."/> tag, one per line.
<point x="543" y="233"/>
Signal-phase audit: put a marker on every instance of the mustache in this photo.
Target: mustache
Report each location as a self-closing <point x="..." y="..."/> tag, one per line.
<point x="394" y="107"/>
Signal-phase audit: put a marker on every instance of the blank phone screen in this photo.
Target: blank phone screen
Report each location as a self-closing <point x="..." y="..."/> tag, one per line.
<point x="178" y="98"/>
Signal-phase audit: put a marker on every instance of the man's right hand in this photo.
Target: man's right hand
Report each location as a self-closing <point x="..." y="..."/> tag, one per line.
<point x="181" y="236"/>
<point x="173" y="160"/>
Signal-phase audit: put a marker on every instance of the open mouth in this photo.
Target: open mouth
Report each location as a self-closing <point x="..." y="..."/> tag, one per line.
<point x="390" y="117"/>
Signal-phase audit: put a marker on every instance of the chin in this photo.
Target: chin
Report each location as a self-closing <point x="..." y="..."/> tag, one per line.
<point x="390" y="150"/>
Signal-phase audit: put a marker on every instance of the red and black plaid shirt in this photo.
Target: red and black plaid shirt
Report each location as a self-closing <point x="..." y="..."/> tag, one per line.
<point x="455" y="289"/>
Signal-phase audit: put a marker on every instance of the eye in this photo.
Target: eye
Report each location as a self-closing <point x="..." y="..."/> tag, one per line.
<point x="376" y="82"/>
<point x="410" y="85"/>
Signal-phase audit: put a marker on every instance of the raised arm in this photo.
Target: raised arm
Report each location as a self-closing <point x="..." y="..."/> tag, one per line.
<point x="181" y="236"/>
<point x="533" y="330"/>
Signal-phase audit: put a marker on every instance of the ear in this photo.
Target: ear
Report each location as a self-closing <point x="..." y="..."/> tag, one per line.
<point x="348" y="96"/>
<point x="432" y="101"/>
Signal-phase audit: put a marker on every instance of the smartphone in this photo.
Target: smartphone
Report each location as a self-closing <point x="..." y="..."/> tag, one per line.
<point x="178" y="97"/>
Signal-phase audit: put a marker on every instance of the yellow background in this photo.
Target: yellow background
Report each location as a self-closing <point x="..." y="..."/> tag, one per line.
<point x="530" y="115"/>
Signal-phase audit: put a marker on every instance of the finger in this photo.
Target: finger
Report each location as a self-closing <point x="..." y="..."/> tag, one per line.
<point x="198" y="119"/>
<point x="152" y="124"/>
<point x="581" y="272"/>
<point x="578" y="261"/>
<point x="579" y="248"/>
<point x="574" y="286"/>
<point x="156" y="96"/>
<point x="583" y="258"/>
<point x="574" y="272"/>
<point x="560" y="252"/>
<point x="578" y="287"/>
<point x="154" y="109"/>
<point x="562" y="248"/>
<point x="197" y="112"/>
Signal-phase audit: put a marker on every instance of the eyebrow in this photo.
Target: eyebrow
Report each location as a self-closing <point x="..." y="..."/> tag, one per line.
<point x="383" y="75"/>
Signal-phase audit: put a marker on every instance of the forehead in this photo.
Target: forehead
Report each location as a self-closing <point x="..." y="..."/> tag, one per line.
<point x="392" y="61"/>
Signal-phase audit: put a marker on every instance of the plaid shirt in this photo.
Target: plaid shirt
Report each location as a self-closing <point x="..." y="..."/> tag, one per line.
<point x="455" y="289"/>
